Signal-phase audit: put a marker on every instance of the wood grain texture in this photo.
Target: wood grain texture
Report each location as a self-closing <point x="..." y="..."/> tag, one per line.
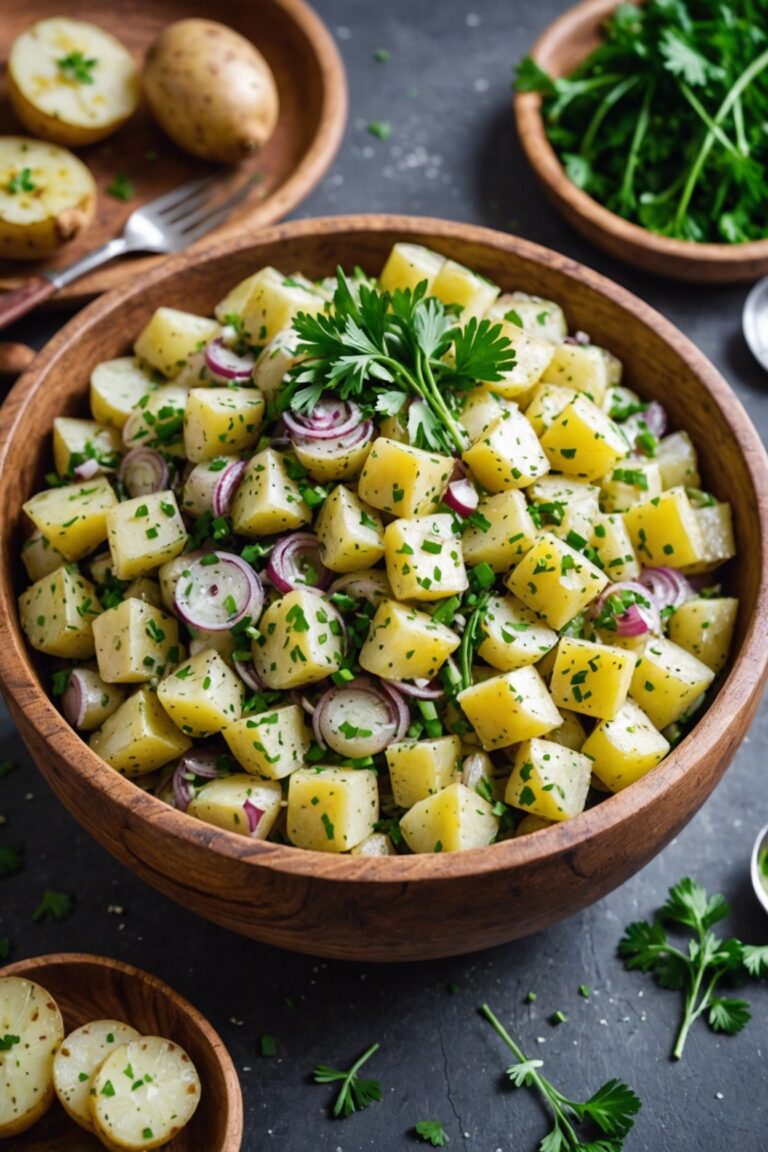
<point x="405" y="907"/>
<point x="562" y="46"/>
<point x="97" y="988"/>
<point x="313" y="110"/>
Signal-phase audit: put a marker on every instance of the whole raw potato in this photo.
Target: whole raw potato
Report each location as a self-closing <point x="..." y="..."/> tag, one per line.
<point x="211" y="90"/>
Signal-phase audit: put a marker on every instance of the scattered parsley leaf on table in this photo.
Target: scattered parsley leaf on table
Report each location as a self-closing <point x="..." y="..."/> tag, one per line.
<point x="268" y="1045"/>
<point x="121" y="188"/>
<point x="57" y="905"/>
<point x="431" y="1132"/>
<point x="355" y="1093"/>
<point x="5" y="948"/>
<point x="6" y="767"/>
<point x="10" y="859"/>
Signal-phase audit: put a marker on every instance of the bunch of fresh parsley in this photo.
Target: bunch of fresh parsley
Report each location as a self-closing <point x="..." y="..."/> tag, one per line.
<point x="664" y="123"/>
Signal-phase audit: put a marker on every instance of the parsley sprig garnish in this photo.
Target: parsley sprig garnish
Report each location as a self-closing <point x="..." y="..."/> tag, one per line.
<point x="612" y="1109"/>
<point x="75" y="66"/>
<point x="697" y="970"/>
<point x="388" y="351"/>
<point x="57" y="905"/>
<point x="355" y="1093"/>
<point x="21" y="182"/>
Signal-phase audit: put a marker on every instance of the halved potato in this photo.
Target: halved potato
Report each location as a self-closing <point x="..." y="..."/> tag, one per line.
<point x="70" y="82"/>
<point x="81" y="1054"/>
<point x="32" y="1030"/>
<point x="47" y="196"/>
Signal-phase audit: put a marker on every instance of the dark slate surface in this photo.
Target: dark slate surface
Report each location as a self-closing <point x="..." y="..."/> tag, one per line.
<point x="452" y="153"/>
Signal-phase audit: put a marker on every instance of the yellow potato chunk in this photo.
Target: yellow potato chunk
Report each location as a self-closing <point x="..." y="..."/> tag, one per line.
<point x="158" y="420"/>
<point x="349" y="532"/>
<point x="221" y="422"/>
<point x="613" y="545"/>
<point x="480" y="409"/>
<point x="571" y="733"/>
<point x="73" y="517"/>
<point x="508" y="455"/>
<point x="272" y="743"/>
<point x="324" y="463"/>
<point x="631" y="482"/>
<point x="677" y="461"/>
<point x="377" y="844"/>
<point x="539" y="317"/>
<point x="171" y="337"/>
<point x="545" y="404"/>
<point x="419" y="768"/>
<point x="532" y="823"/>
<point x="567" y="507"/>
<point x="134" y="642"/>
<point x="408" y="265"/>
<point x="116" y="388"/>
<point x="203" y="695"/>
<point x="424" y="558"/>
<point x="455" y="284"/>
<point x="139" y="737"/>
<point x="555" y="581"/>
<point x="513" y="636"/>
<point x="235" y="803"/>
<point x="267" y="500"/>
<point x="531" y="359"/>
<point x="274" y="362"/>
<point x="501" y="532"/>
<point x="705" y="629"/>
<point x="403" y="480"/>
<point x="145" y="533"/>
<point x="75" y="441"/>
<point x="591" y="678"/>
<point x="549" y="780"/>
<point x="716" y="524"/>
<point x="624" y="748"/>
<point x="57" y="613"/>
<point x="301" y="640"/>
<point x="39" y="556"/>
<point x="331" y="809"/>
<point x="583" y="367"/>
<point x="583" y="441"/>
<point x="667" y="681"/>
<point x="405" y="644"/>
<point x="266" y="303"/>
<point x="506" y="709"/>
<point x="453" y="820"/>
<point x="666" y="530"/>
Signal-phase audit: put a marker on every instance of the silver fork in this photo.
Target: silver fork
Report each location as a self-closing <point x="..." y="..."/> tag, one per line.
<point x="167" y="224"/>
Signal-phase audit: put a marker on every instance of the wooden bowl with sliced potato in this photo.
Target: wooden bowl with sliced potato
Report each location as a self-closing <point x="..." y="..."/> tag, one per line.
<point x="397" y="907"/>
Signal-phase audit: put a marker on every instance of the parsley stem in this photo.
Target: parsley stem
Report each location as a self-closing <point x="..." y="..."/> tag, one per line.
<point x="603" y="109"/>
<point x="457" y="434"/>
<point x="359" y="1063"/>
<point x="627" y="190"/>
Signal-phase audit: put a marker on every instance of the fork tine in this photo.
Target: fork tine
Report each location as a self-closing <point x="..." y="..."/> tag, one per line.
<point x="177" y="213"/>
<point x="177" y="195"/>
<point x="204" y="219"/>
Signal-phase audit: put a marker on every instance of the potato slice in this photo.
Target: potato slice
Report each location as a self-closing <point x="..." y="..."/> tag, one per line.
<point x="32" y="1030"/>
<point x="47" y="196"/>
<point x="144" y="1093"/>
<point x="75" y="1063"/>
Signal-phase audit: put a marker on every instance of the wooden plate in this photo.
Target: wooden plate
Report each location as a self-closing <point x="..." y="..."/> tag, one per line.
<point x="97" y="988"/>
<point x="562" y="46"/>
<point x="313" y="110"/>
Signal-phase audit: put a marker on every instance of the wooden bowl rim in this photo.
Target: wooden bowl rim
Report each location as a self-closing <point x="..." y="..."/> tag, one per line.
<point x="546" y="163"/>
<point x="749" y="668"/>
<point x="233" y="1100"/>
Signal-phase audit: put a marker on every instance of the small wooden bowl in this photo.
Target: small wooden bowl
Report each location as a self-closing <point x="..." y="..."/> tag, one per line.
<point x="562" y="46"/>
<point x="97" y="988"/>
<point x="403" y="907"/>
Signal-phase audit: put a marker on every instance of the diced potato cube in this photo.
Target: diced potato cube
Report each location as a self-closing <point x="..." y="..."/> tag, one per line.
<point x="239" y="803"/>
<point x="613" y="546"/>
<point x="324" y="463"/>
<point x="508" y="455"/>
<point x="545" y="404"/>
<point x="532" y="823"/>
<point x="116" y="388"/>
<point x="403" y="480"/>
<point x="716" y="524"/>
<point x="75" y="441"/>
<point x="481" y="775"/>
<point x="275" y="361"/>
<point x="396" y="427"/>
<point x="221" y="422"/>
<point x="203" y="695"/>
<point x="266" y="303"/>
<point x="583" y="367"/>
<point x="272" y="743"/>
<point x="500" y="533"/>
<point x="73" y="517"/>
<point x="452" y="820"/>
<point x="571" y="733"/>
<point x="40" y="556"/>
<point x="705" y="629"/>
<point x="532" y="356"/>
<point x="591" y="678"/>
<point x="513" y="636"/>
<point x="567" y="507"/>
<point x="139" y="737"/>
<point x="100" y="699"/>
<point x="506" y="709"/>
<point x="377" y="844"/>
<point x="170" y="337"/>
<point x="481" y="407"/>
<point x="408" y="265"/>
<point x="549" y="780"/>
<point x="405" y="644"/>
<point x="624" y="748"/>
<point x="331" y="809"/>
<point x="158" y="420"/>
<point x="301" y="640"/>
<point x="539" y="317"/>
<point x="583" y="441"/>
<point x="677" y="461"/>
<point x="57" y="613"/>
<point x="144" y="533"/>
<point x="666" y="530"/>
<point x="134" y="642"/>
<point x="424" y="558"/>
<point x="267" y="499"/>
<point x="555" y="581"/>
<point x="419" y="768"/>
<point x="632" y="482"/>
<point x="455" y="284"/>
<point x="667" y="681"/>
<point x="350" y="534"/>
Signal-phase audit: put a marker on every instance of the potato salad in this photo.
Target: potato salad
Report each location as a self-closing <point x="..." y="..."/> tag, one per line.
<point x="376" y="565"/>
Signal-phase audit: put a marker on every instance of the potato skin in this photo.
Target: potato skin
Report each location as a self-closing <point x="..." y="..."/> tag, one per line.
<point x="34" y="227"/>
<point x="210" y="90"/>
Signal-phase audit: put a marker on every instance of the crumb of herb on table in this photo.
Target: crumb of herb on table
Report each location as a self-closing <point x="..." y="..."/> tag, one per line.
<point x="121" y="188"/>
<point x="431" y="1132"/>
<point x="355" y="1093"/>
<point x="56" y="905"/>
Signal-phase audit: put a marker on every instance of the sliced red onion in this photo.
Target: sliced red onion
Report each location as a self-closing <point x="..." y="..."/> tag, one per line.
<point x="667" y="587"/>
<point x="307" y="705"/>
<point x="76" y="697"/>
<point x="360" y="718"/>
<point x="295" y="563"/>
<point x="246" y="670"/>
<point x="655" y="418"/>
<point x="143" y="471"/>
<point x="462" y="497"/>
<point x="88" y="469"/>
<point x="368" y="584"/>
<point x="418" y="689"/>
<point x="203" y="762"/>
<point x="226" y="486"/>
<point x="226" y="364"/>
<point x="214" y="594"/>
<point x="330" y="419"/>
<point x="638" y="618"/>
<point x="253" y="815"/>
<point x="578" y="337"/>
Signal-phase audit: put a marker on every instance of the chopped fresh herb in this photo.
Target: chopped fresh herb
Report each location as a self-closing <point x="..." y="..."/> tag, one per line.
<point x="10" y="859"/>
<point x="268" y="1045"/>
<point x="381" y="129"/>
<point x="75" y="66"/>
<point x="57" y="905"/>
<point x="121" y="188"/>
<point x="381" y="55"/>
<point x="355" y="1093"/>
<point x="21" y="182"/>
<point x="431" y="1132"/>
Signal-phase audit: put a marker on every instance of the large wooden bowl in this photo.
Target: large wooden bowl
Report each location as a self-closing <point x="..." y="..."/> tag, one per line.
<point x="563" y="45"/>
<point x="406" y="907"/>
